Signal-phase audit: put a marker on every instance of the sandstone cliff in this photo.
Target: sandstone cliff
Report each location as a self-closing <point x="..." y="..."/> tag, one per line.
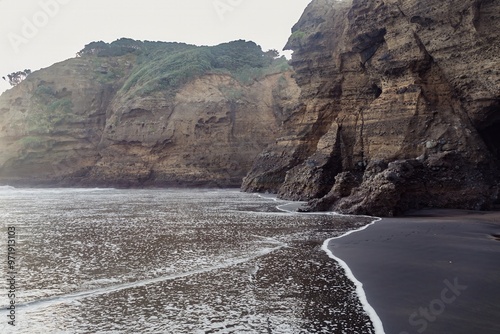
<point x="145" y="114"/>
<point x="400" y="108"/>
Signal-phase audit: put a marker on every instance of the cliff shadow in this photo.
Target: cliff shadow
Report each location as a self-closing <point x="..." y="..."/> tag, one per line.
<point x="490" y="134"/>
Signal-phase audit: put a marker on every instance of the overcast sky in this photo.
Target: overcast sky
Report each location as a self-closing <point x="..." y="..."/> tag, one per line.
<point x="39" y="33"/>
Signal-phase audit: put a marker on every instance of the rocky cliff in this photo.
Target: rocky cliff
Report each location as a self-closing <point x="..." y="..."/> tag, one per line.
<point x="145" y="114"/>
<point x="400" y="108"/>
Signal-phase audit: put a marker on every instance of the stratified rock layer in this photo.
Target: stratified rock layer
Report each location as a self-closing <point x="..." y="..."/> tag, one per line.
<point x="400" y="108"/>
<point x="90" y="121"/>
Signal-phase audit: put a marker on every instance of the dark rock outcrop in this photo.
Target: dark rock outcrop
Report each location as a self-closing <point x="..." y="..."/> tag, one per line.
<point x="400" y="108"/>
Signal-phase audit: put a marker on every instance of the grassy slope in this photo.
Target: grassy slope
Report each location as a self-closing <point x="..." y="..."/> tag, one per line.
<point x="167" y="66"/>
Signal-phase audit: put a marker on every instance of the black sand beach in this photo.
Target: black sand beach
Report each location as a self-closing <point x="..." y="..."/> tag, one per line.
<point x="433" y="272"/>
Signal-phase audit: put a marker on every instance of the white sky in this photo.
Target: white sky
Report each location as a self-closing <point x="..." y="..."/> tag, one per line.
<point x="38" y="33"/>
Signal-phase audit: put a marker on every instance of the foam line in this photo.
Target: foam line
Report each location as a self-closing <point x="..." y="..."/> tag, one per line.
<point x="68" y="298"/>
<point x="372" y="314"/>
<point x="282" y="207"/>
<point x="370" y="311"/>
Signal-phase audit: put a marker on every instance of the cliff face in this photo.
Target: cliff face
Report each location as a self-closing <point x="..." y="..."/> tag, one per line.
<point x="400" y="108"/>
<point x="123" y="117"/>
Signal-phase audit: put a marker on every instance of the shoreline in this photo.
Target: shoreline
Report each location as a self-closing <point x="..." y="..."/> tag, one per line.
<point x="389" y="287"/>
<point x="122" y="186"/>
<point x="367" y="307"/>
<point x="434" y="271"/>
<point x="293" y="207"/>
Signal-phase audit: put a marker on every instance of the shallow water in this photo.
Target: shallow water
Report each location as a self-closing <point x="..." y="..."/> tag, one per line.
<point x="173" y="261"/>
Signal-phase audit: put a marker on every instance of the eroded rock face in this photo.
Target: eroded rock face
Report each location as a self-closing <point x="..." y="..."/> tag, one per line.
<point x="400" y="108"/>
<point x="74" y="124"/>
<point x="208" y="134"/>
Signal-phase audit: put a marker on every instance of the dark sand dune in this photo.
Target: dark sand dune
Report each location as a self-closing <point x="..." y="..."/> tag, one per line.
<point x="433" y="272"/>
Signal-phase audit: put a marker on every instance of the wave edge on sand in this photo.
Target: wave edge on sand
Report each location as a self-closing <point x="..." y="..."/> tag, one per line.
<point x="370" y="311"/>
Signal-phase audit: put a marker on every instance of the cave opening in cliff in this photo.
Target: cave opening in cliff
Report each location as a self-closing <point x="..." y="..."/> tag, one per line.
<point x="491" y="137"/>
<point x="490" y="133"/>
<point x="489" y="130"/>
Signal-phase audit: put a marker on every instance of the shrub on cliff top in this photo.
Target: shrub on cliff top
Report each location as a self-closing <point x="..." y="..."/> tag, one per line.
<point x="167" y="66"/>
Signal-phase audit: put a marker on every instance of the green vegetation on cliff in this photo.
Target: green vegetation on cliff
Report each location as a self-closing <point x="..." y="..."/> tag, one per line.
<point x="165" y="67"/>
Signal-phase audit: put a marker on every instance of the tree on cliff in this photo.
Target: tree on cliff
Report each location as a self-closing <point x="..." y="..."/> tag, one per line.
<point x="93" y="48"/>
<point x="16" y="78"/>
<point x="272" y="54"/>
<point x="118" y="48"/>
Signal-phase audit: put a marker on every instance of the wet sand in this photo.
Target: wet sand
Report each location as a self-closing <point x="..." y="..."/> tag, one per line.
<point x="433" y="272"/>
<point x="174" y="261"/>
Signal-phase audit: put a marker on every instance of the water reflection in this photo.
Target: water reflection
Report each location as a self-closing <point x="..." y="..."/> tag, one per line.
<point x="158" y="261"/>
